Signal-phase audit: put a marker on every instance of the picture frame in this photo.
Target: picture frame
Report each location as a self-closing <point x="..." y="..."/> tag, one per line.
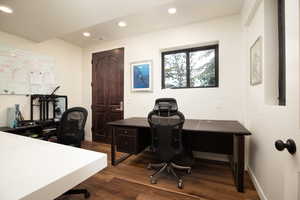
<point x="141" y="76"/>
<point x="256" y="59"/>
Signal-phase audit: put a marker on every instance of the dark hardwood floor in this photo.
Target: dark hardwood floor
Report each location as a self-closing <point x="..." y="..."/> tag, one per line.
<point x="130" y="181"/>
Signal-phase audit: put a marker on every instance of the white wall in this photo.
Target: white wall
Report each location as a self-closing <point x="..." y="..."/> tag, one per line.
<point x="234" y="99"/>
<point x="224" y="102"/>
<point x="274" y="173"/>
<point x="68" y="71"/>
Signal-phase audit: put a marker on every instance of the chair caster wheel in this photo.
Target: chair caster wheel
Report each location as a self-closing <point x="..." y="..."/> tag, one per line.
<point x="87" y="195"/>
<point x="152" y="180"/>
<point x="189" y="171"/>
<point x="180" y="184"/>
<point x="149" y="167"/>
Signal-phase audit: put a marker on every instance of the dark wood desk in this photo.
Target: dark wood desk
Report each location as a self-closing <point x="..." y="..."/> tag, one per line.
<point x="132" y="136"/>
<point x="25" y="130"/>
<point x="28" y="130"/>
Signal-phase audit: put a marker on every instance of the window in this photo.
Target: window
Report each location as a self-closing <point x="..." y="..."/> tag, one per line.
<point x="191" y="68"/>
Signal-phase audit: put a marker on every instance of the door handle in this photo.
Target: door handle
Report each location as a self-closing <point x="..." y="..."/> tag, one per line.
<point x="121" y="106"/>
<point x="290" y="145"/>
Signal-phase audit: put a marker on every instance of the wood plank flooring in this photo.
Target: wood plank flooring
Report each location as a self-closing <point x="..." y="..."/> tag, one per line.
<point x="130" y="181"/>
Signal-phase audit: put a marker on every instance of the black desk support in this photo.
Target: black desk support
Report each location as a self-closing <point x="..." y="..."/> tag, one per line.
<point x="132" y="136"/>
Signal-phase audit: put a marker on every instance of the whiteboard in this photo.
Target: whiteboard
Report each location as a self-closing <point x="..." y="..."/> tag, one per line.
<point x="23" y="72"/>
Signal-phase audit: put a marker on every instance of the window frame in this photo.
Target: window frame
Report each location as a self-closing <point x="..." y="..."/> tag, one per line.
<point x="188" y="73"/>
<point x="282" y="53"/>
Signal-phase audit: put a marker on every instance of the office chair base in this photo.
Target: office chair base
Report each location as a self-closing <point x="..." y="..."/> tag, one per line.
<point x="78" y="191"/>
<point x="188" y="169"/>
<point x="170" y="169"/>
<point x="155" y="166"/>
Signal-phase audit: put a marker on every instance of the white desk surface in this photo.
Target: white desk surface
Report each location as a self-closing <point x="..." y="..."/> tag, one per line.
<point x="39" y="170"/>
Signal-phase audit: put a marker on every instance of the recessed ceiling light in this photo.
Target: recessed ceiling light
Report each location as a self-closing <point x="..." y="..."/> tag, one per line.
<point x="172" y="11"/>
<point x="86" y="34"/>
<point x="122" y="24"/>
<point x="6" y="9"/>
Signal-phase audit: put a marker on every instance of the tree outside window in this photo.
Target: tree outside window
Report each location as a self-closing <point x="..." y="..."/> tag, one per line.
<point x="190" y="68"/>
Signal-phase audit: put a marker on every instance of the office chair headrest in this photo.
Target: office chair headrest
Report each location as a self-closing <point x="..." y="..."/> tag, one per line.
<point x="165" y="105"/>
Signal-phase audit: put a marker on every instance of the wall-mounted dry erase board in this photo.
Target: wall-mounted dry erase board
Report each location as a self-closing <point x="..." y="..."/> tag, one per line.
<point x="23" y="72"/>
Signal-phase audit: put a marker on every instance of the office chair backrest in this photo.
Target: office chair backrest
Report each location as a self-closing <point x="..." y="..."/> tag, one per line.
<point x="71" y="129"/>
<point x="165" y="106"/>
<point x="166" y="128"/>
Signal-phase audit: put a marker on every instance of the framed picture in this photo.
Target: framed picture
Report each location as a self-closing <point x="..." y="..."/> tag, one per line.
<point x="141" y="76"/>
<point x="256" y="59"/>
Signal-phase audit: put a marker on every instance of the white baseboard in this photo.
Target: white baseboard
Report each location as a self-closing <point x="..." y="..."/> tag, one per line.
<point x="211" y="156"/>
<point x="257" y="186"/>
<point x="88" y="138"/>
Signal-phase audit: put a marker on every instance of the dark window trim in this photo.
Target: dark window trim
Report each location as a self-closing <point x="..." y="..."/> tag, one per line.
<point x="187" y="51"/>
<point x="282" y="53"/>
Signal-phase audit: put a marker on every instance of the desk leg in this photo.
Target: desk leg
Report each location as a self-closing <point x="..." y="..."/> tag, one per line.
<point x="238" y="161"/>
<point x="113" y="146"/>
<point x="115" y="161"/>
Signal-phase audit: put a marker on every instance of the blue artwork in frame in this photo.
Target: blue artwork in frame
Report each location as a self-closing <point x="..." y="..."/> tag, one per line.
<point x="141" y="75"/>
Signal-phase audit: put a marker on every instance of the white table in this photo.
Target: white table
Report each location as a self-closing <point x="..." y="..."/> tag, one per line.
<point x="39" y="170"/>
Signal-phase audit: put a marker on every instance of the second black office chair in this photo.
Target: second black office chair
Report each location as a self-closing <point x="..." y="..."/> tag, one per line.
<point x="71" y="129"/>
<point x="166" y="124"/>
<point x="71" y="132"/>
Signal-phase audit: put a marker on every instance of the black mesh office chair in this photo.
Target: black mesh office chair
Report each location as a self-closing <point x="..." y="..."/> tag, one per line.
<point x="166" y="124"/>
<point x="71" y="128"/>
<point x="71" y="132"/>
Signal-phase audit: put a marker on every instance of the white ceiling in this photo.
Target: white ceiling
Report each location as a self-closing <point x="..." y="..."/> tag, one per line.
<point x="40" y="20"/>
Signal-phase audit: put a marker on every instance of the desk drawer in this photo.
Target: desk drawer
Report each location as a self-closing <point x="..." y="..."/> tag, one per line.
<point x="126" y="140"/>
<point x="126" y="144"/>
<point x="127" y="131"/>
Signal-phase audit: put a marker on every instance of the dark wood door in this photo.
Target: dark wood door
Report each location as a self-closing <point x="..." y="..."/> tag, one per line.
<point x="107" y="92"/>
